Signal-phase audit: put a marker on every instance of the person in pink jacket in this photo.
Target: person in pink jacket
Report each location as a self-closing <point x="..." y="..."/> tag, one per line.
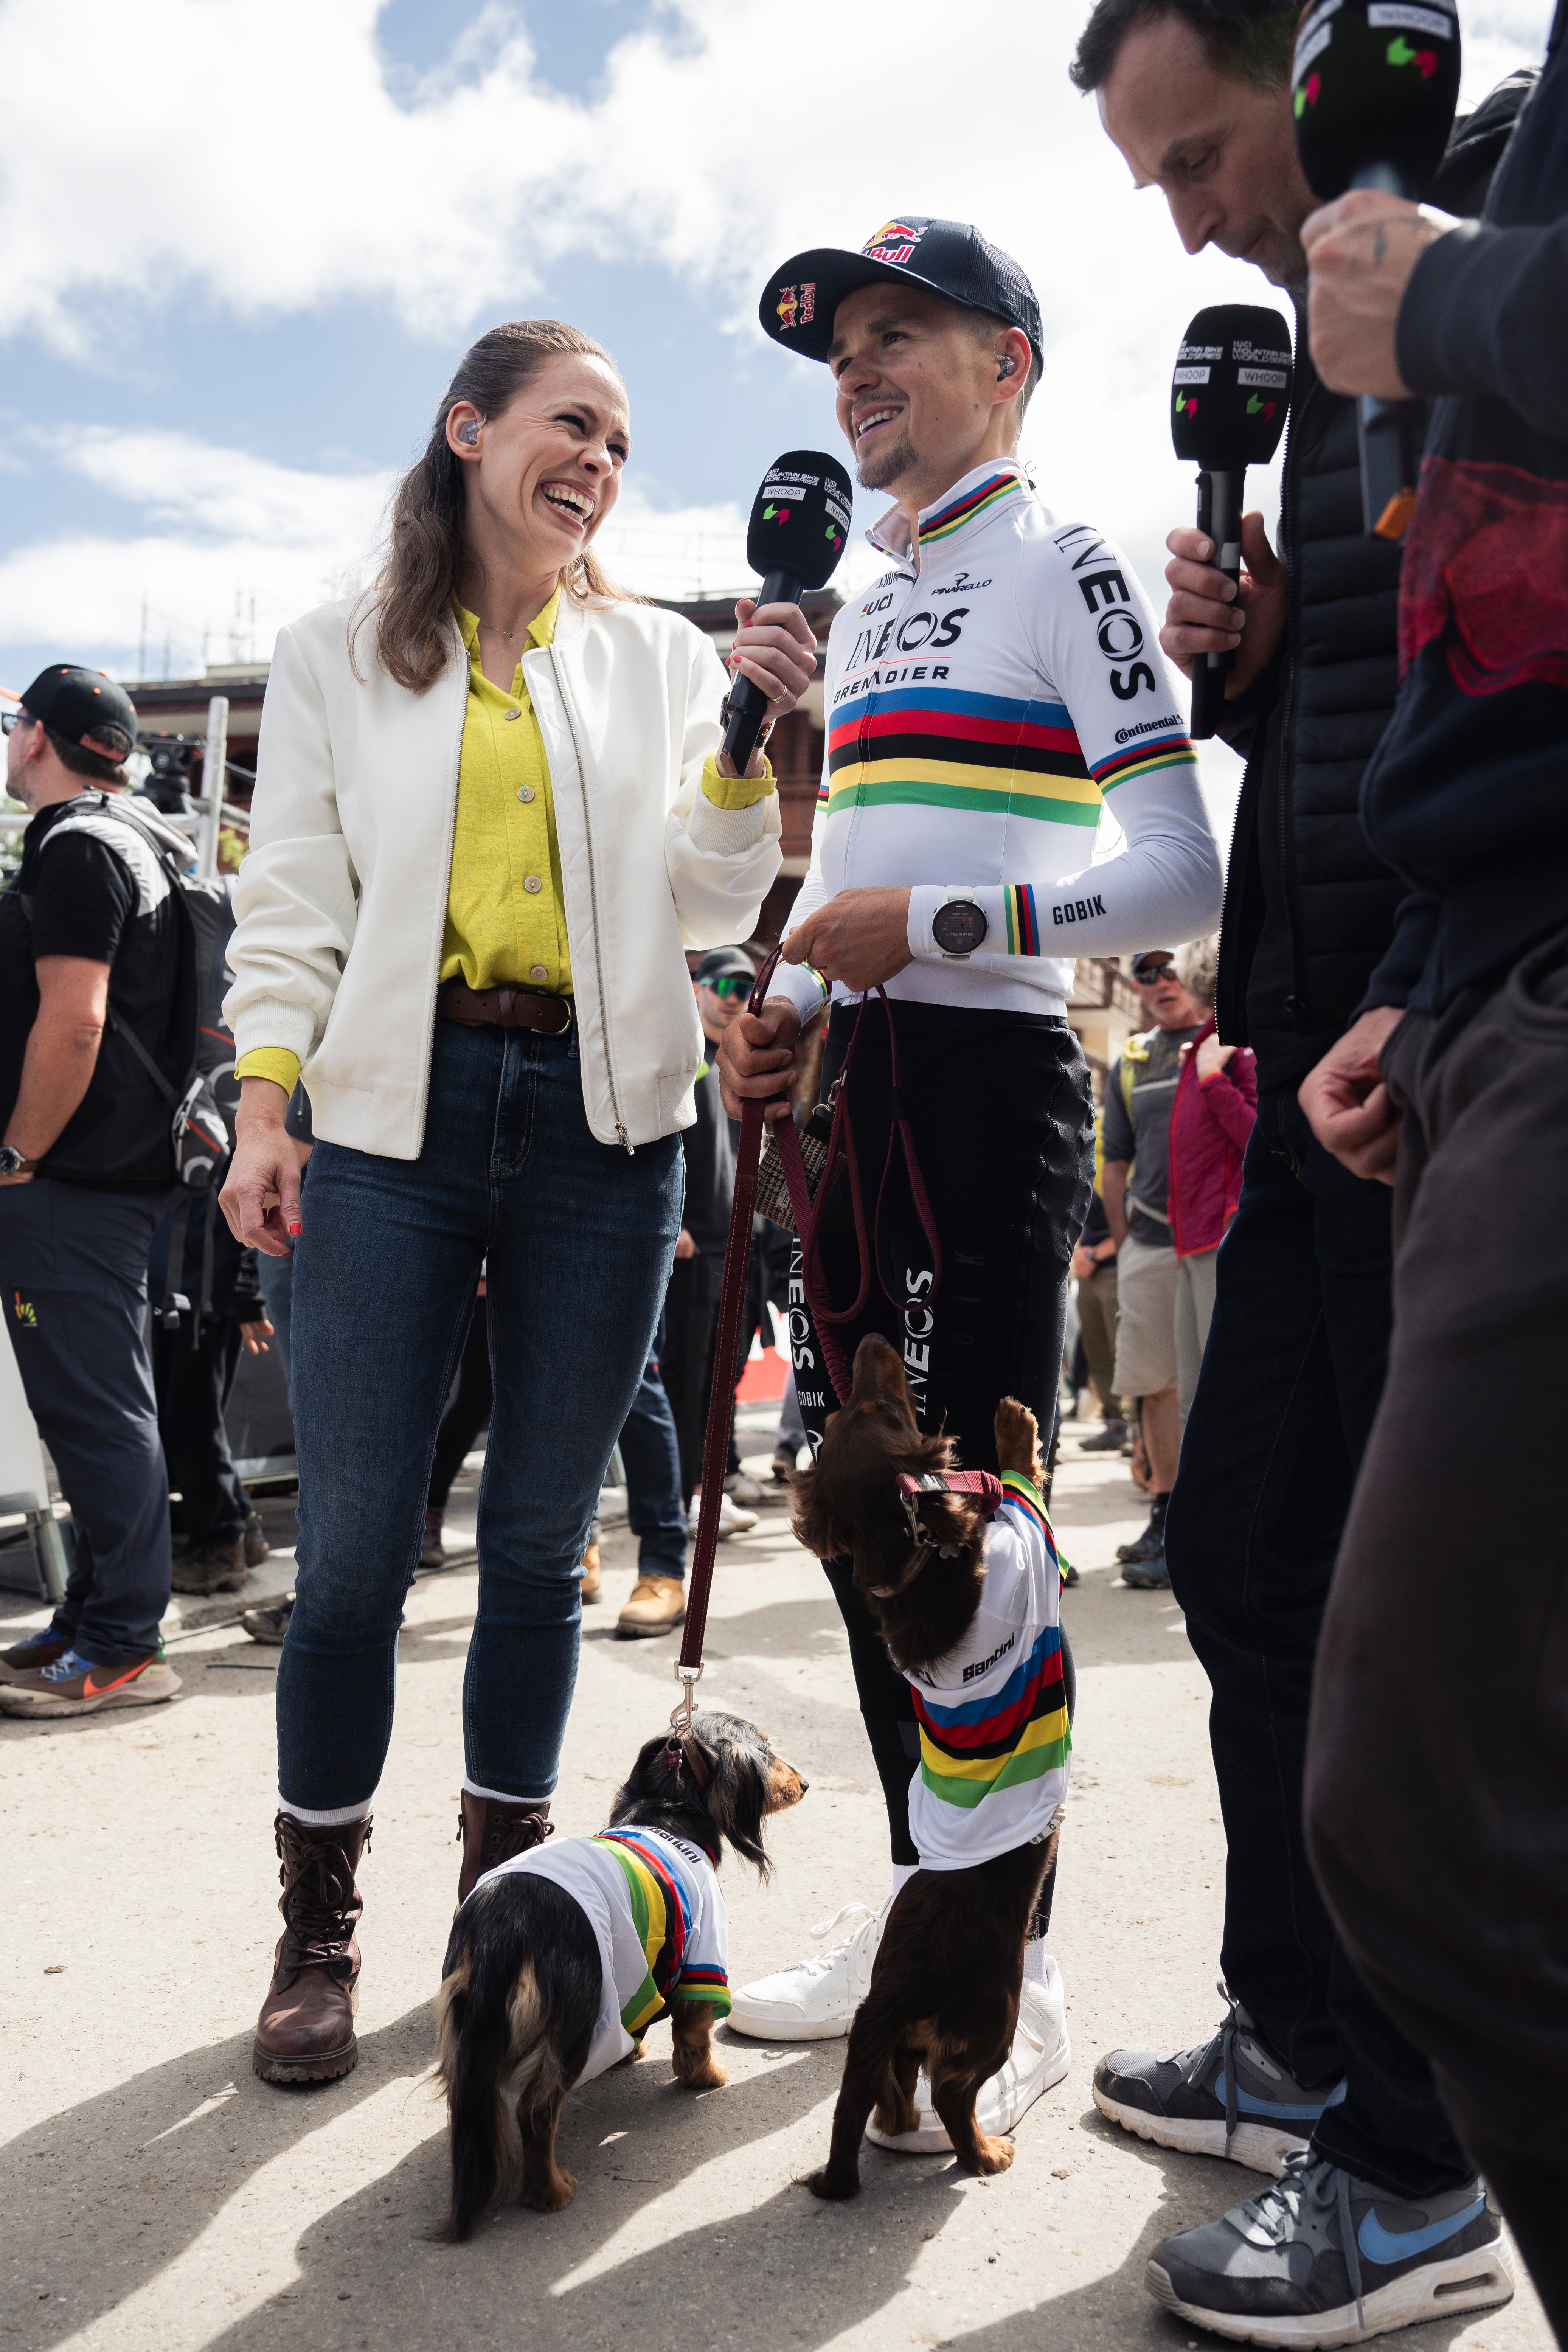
<point x="1211" y="1119"/>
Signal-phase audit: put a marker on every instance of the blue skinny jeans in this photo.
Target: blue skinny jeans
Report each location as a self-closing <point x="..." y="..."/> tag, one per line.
<point x="580" y="1236"/>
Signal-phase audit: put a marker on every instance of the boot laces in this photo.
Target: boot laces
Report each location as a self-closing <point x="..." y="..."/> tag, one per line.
<point x="322" y="1902"/>
<point x="820" y="1962"/>
<point x="1310" y="2183"/>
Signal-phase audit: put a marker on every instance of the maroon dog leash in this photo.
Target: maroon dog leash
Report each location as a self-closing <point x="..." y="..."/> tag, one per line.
<point x="731" y="1296"/>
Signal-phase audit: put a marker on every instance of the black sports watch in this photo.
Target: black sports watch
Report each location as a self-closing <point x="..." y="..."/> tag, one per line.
<point x="959" y="928"/>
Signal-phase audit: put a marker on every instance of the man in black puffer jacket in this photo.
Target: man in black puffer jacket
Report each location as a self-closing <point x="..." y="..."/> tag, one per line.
<point x="1307" y="2070"/>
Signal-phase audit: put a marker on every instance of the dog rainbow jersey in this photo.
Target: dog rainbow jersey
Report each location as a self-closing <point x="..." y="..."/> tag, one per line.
<point x="993" y="1713"/>
<point x="656" y="1907"/>
<point x="982" y="707"/>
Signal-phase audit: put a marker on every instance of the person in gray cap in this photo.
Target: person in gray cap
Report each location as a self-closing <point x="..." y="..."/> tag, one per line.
<point x="91" y="957"/>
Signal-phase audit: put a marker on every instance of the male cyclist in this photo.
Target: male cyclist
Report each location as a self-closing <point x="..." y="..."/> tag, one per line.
<point x="997" y="686"/>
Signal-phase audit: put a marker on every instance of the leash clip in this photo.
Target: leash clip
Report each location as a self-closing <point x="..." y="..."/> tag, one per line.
<point x="680" y="1719"/>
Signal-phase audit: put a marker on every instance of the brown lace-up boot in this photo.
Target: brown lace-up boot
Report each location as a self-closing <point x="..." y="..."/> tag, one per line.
<point x="305" y="2029"/>
<point x="493" y="1833"/>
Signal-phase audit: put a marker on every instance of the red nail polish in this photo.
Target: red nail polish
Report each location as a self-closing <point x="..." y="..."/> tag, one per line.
<point x="296" y="1229"/>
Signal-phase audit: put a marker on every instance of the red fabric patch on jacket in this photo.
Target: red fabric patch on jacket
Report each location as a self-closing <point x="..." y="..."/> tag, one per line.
<point x="1487" y="552"/>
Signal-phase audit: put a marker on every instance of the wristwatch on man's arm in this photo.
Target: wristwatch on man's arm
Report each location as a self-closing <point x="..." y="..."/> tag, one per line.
<point x="959" y="927"/>
<point x="13" y="1163"/>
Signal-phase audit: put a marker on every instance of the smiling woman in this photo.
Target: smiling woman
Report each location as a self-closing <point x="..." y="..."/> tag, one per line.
<point x="490" y="811"/>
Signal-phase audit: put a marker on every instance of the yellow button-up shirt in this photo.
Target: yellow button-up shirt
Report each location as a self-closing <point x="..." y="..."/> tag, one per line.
<point x="506" y="923"/>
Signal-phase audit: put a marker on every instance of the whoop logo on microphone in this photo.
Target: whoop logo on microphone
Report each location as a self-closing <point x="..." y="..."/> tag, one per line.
<point x="800" y="521"/>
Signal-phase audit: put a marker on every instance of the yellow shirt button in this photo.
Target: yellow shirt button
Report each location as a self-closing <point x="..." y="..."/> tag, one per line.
<point x="537" y="971"/>
<point x="514" y="714"/>
<point x="532" y="882"/>
<point x="525" y="791"/>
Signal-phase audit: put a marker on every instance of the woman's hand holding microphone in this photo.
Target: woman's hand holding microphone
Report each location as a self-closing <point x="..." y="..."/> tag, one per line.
<point x="775" y="647"/>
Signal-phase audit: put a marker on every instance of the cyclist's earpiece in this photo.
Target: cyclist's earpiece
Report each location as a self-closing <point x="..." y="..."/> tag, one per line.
<point x="1008" y="365"/>
<point x="468" y="435"/>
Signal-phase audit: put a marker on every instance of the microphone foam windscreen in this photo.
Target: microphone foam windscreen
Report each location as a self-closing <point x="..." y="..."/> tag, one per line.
<point x="1374" y="82"/>
<point x="1231" y="387"/>
<point x="800" y="518"/>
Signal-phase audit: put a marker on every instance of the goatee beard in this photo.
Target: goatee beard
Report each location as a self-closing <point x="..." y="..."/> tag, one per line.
<point x="884" y="467"/>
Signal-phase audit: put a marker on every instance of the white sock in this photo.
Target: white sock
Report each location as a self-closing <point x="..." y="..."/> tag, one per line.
<point x="500" y="1796"/>
<point x="1034" y="1961"/>
<point x="903" y="1873"/>
<point x="333" y="1819"/>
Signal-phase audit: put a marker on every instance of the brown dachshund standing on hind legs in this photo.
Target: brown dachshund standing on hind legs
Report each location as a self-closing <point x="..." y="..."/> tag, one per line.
<point x="963" y="1575"/>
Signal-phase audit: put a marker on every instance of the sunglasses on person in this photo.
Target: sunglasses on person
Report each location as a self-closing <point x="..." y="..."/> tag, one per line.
<point x="729" y="984"/>
<point x="10" y="719"/>
<point x="1149" y="975"/>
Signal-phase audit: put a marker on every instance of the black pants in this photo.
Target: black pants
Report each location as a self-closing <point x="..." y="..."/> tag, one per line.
<point x="1290" y="1382"/>
<point x="1439" y="1757"/>
<point x="192" y="1377"/>
<point x="468" y="1412"/>
<point x="73" y="1276"/>
<point x="1000" y="1107"/>
<point x="685" y="1352"/>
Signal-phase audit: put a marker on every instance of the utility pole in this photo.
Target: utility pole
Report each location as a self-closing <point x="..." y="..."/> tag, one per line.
<point x="215" y="775"/>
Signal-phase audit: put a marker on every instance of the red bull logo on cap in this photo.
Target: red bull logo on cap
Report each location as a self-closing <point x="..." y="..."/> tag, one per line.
<point x="893" y="242"/>
<point x="796" y="305"/>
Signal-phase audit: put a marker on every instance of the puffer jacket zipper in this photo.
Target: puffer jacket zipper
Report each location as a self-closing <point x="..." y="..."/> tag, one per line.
<point x="628" y="1147"/>
<point x="1296" y="1004"/>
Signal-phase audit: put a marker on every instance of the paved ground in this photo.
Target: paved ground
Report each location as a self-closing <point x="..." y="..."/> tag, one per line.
<point x="155" y="2195"/>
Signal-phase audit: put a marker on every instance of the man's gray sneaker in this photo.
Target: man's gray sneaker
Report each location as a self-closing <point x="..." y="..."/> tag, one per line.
<point x="1228" y="2098"/>
<point x="1321" y="2257"/>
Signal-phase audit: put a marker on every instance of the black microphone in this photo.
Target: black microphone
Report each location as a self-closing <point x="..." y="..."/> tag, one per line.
<point x="1374" y="87"/>
<point x="1230" y="391"/>
<point x="800" y="521"/>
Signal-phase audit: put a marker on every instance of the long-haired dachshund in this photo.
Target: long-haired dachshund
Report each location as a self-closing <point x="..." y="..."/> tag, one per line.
<point x="968" y="1603"/>
<point x="560" y="1961"/>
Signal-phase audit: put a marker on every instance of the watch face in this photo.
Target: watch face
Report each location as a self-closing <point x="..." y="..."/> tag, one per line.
<point x="959" y="927"/>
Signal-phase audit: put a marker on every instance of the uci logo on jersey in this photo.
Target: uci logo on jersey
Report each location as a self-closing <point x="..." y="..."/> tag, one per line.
<point x="1119" y="632"/>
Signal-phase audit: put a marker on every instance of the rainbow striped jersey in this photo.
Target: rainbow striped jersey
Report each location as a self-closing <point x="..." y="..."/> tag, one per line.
<point x="983" y="704"/>
<point x="993" y="1714"/>
<point x="657" y="1913"/>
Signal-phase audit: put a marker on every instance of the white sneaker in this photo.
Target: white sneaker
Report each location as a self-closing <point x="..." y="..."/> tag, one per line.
<point x="817" y="2000"/>
<point x="732" y="1520"/>
<point x="742" y="1488"/>
<point x="1039" y="2057"/>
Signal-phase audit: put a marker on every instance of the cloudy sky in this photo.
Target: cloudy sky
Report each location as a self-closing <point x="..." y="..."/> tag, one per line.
<point x="239" y="256"/>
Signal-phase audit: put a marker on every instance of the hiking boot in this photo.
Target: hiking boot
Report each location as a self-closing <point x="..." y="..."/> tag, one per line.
<point x="1229" y="2096"/>
<point x="1321" y="2257"/>
<point x="493" y="1833"/>
<point x="73" y="1685"/>
<point x="1147" y="1575"/>
<point x="1150" y="1544"/>
<point x="1038" y="2059"/>
<point x="305" y="2032"/>
<point x="657" y="1605"/>
<point x="256" y="1548"/>
<point x="1112" y="1439"/>
<point x="431" y="1554"/>
<point x="34" y="1650"/>
<point x="204" y="1568"/>
<point x="816" y="2001"/>
<point x="269" y="1625"/>
<point x="593" y="1577"/>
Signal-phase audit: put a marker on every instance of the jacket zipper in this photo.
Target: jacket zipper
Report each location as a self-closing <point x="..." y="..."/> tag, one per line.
<point x="1296" y="1006"/>
<point x="628" y="1147"/>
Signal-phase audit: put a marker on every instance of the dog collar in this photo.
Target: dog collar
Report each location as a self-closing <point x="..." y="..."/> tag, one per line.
<point x="983" y="1482"/>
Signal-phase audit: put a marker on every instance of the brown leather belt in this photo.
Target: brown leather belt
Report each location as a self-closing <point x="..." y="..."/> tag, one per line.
<point x="503" y="1008"/>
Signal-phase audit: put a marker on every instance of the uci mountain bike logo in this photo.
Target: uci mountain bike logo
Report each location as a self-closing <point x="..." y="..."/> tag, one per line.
<point x="27" y="1314"/>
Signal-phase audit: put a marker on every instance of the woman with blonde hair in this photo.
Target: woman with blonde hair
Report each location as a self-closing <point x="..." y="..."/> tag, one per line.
<point x="490" y="813"/>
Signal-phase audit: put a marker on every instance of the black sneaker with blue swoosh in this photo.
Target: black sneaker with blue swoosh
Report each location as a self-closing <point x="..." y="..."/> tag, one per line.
<point x="1227" y="2096"/>
<point x="1321" y="2257"/>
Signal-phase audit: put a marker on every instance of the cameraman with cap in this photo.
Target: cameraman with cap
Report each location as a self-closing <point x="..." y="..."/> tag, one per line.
<point x="997" y="686"/>
<point x="91" y="942"/>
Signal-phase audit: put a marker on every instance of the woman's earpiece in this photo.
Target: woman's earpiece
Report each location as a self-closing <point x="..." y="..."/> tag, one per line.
<point x="468" y="435"/>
